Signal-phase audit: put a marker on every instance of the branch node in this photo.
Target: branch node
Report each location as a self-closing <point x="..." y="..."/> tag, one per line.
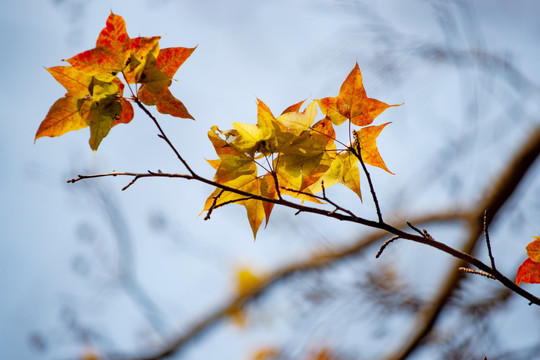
<point x="427" y="235"/>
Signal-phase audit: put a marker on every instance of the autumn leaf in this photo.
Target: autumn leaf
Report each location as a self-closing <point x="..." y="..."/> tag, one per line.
<point x="298" y="153"/>
<point x="352" y="102"/>
<point x="165" y="102"/>
<point x="533" y="249"/>
<point x="88" y="102"/>
<point x="246" y="281"/>
<point x="95" y="93"/>
<point x="76" y="82"/>
<point x="114" y="51"/>
<point x="238" y="170"/>
<point x="259" y="138"/>
<point x="529" y="271"/>
<point x="103" y="110"/>
<point x="267" y="353"/>
<point x="157" y="76"/>
<point x="367" y="137"/>
<point x="62" y="117"/>
<point x="343" y="170"/>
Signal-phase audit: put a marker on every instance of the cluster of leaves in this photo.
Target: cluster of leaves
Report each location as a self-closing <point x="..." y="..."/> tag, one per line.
<point x="95" y="96"/>
<point x="292" y="154"/>
<point x="529" y="271"/>
<point x="297" y="155"/>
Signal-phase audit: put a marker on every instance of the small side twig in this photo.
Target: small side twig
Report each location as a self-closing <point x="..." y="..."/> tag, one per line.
<point x="385" y="244"/>
<point x="415" y="228"/>
<point x="357" y="151"/>
<point x="477" y="272"/>
<point x="488" y="243"/>
<point x="324" y="198"/>
<point x="213" y="206"/>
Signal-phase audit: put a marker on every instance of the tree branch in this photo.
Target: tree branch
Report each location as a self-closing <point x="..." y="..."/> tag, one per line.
<point x="316" y="262"/>
<point x="501" y="192"/>
<point x="497" y="195"/>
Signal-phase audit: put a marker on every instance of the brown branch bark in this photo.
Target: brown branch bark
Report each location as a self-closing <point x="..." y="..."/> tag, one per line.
<point x="498" y="193"/>
<point x="316" y="262"/>
<point x="496" y="198"/>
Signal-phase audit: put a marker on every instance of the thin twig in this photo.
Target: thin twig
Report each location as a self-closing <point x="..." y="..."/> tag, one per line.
<point x="415" y="228"/>
<point x="477" y="272"/>
<point x="488" y="243"/>
<point x="163" y="136"/>
<point x="315" y="262"/>
<point x="357" y="151"/>
<point x="384" y="245"/>
<point x="207" y="217"/>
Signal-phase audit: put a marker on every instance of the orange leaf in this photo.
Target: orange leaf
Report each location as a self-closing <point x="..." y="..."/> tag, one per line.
<point x="156" y="78"/>
<point x="352" y="102"/>
<point x="293" y="108"/>
<point x="62" y="117"/>
<point x="76" y="82"/>
<point x="268" y="353"/>
<point x="528" y="272"/>
<point x="165" y="102"/>
<point x="127" y="113"/>
<point x="114" y="50"/>
<point x="246" y="282"/>
<point x="170" y="59"/>
<point x="533" y="249"/>
<point x="370" y="154"/>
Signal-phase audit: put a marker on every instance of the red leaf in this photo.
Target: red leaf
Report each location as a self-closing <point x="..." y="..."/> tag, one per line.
<point x="528" y="272"/>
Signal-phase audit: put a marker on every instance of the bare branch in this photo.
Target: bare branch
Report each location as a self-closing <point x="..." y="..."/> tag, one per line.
<point x="316" y="262"/>
<point x="499" y="192"/>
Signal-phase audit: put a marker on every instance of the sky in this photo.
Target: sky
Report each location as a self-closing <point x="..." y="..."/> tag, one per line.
<point x="61" y="242"/>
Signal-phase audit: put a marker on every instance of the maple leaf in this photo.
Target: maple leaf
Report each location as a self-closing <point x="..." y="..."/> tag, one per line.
<point x="529" y="270"/>
<point x="88" y="102"/>
<point x="104" y="109"/>
<point x="533" y="249"/>
<point x="367" y="137"/>
<point x="114" y="51"/>
<point x="343" y="169"/>
<point x="259" y="138"/>
<point x="352" y="102"/>
<point x="238" y="170"/>
<point x="157" y="76"/>
<point x="62" y="117"/>
<point x="306" y="158"/>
